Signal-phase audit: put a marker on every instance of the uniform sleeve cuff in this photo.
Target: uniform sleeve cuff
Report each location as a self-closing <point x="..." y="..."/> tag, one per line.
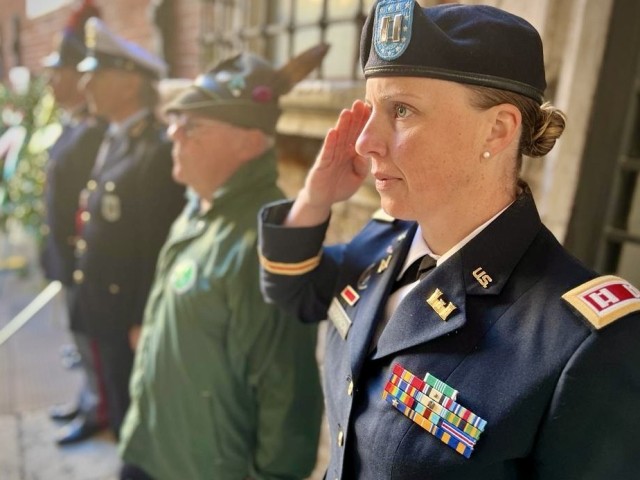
<point x="288" y="250"/>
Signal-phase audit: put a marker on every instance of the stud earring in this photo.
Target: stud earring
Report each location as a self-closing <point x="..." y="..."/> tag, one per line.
<point x="486" y="154"/>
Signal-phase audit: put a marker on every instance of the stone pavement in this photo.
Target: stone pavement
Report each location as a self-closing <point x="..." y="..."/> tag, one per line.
<point x="32" y="378"/>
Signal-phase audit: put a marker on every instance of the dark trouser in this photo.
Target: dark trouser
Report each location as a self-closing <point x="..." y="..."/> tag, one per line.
<point x="131" y="472"/>
<point x="92" y="403"/>
<point x="117" y="361"/>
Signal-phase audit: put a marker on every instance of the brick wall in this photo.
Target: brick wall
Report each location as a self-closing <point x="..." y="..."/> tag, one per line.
<point x="128" y="18"/>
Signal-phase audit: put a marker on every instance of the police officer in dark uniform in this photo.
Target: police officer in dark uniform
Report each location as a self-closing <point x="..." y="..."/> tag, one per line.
<point x="464" y="342"/>
<point x="68" y="166"/>
<point x="126" y="207"/>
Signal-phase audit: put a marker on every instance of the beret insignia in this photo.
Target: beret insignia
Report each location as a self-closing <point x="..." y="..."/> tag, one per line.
<point x="392" y="28"/>
<point x="604" y="300"/>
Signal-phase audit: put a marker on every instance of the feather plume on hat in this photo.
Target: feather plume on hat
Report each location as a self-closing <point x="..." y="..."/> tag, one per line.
<point x="71" y="48"/>
<point x="79" y="16"/>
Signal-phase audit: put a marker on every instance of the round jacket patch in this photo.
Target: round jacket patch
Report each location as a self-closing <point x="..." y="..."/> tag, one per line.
<point x="183" y="276"/>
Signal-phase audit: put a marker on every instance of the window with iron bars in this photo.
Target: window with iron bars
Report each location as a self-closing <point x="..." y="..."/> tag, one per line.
<point x="279" y="29"/>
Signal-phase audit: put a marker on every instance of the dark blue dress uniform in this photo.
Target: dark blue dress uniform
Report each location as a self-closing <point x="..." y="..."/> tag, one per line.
<point x="68" y="168"/>
<point x="556" y="379"/>
<point x="126" y="210"/>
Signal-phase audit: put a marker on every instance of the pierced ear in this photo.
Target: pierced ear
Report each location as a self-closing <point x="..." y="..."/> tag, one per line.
<point x="505" y="129"/>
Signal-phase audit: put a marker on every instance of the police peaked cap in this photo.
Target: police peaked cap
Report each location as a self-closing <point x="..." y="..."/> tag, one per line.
<point x="244" y="90"/>
<point x="105" y="49"/>
<point x="472" y="44"/>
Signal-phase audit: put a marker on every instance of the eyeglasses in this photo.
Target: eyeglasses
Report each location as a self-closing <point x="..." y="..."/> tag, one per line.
<point x="188" y="124"/>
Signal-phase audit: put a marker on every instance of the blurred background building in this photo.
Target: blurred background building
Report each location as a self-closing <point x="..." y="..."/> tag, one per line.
<point x="586" y="189"/>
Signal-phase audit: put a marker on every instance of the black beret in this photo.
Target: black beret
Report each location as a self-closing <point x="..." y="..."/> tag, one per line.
<point x="244" y="90"/>
<point x="473" y="44"/>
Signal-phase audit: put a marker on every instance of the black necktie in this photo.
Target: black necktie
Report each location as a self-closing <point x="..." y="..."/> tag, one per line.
<point x="416" y="271"/>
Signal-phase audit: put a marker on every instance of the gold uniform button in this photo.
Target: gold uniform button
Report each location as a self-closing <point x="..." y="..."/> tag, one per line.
<point x="340" y="438"/>
<point x="92" y="185"/>
<point x="109" y="186"/>
<point x="78" y="276"/>
<point x="81" y="245"/>
<point x="114" y="288"/>
<point x="350" y="388"/>
<point x="85" y="217"/>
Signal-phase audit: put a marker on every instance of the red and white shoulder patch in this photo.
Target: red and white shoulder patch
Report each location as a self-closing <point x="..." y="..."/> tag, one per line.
<point x="604" y="300"/>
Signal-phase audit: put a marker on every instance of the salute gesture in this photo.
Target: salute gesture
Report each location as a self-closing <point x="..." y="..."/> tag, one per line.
<point x="337" y="172"/>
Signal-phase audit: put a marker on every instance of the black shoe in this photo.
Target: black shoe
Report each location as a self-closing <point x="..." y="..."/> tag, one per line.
<point x="63" y="413"/>
<point x="76" y="431"/>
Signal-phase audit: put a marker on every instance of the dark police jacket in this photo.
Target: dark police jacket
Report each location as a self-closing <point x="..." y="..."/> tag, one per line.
<point x="125" y="213"/>
<point x="556" y="380"/>
<point x="68" y="167"/>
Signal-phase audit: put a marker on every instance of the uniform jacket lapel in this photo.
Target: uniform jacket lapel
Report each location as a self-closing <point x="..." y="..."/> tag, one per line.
<point x="482" y="267"/>
<point x="415" y="322"/>
<point x="370" y="306"/>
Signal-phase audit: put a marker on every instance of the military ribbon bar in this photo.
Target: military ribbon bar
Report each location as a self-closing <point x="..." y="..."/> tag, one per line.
<point x="437" y="413"/>
<point x="444" y="400"/>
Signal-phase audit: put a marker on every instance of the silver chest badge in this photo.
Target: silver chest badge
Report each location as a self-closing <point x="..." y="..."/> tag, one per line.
<point x="111" y="207"/>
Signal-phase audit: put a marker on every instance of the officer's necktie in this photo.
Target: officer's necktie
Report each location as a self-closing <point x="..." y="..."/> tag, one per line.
<point x="416" y="271"/>
<point x="111" y="143"/>
<point x="420" y="267"/>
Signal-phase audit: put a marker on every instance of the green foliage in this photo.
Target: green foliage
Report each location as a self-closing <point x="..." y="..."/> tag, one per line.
<point x="22" y="191"/>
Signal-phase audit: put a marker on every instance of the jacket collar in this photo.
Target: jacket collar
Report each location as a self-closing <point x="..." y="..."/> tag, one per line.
<point x="482" y="267"/>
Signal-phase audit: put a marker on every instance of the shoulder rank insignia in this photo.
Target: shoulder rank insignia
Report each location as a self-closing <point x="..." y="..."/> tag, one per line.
<point x="604" y="300"/>
<point x="382" y="216"/>
<point x="392" y="28"/>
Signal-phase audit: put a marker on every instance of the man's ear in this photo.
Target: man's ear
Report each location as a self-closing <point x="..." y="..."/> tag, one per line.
<point x="504" y="128"/>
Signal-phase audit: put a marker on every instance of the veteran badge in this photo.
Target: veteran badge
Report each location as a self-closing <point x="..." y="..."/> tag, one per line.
<point x="111" y="207"/>
<point x="392" y="28"/>
<point x="184" y="276"/>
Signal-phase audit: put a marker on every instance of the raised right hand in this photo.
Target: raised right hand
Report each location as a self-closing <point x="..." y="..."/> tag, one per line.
<point x="337" y="172"/>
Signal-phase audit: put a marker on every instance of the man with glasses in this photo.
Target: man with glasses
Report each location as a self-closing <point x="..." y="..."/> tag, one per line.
<point x="224" y="386"/>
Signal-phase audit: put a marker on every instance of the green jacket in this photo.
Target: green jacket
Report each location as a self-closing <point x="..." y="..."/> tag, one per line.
<point x="224" y="386"/>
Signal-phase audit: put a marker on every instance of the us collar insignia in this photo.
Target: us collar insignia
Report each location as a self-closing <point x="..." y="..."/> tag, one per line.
<point x="482" y="277"/>
<point x="431" y="404"/>
<point x="392" y="28"/>
<point x="184" y="276"/>
<point x="384" y="263"/>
